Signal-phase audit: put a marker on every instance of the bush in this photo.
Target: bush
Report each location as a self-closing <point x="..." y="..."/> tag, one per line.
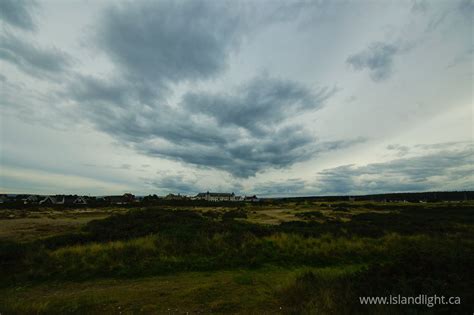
<point x="156" y="241"/>
<point x="312" y="293"/>
<point x="421" y="266"/>
<point x="233" y="214"/>
<point x="311" y="215"/>
<point x="212" y="214"/>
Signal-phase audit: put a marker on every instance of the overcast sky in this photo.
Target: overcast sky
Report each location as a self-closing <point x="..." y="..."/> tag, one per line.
<point x="276" y="98"/>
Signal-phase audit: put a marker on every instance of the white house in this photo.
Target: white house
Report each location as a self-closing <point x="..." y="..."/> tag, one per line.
<point x="217" y="196"/>
<point x="52" y="200"/>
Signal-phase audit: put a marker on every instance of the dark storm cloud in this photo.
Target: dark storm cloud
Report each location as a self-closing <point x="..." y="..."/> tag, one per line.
<point x="246" y="157"/>
<point x="34" y="60"/>
<point x="19" y="13"/>
<point x="243" y="131"/>
<point x="205" y="139"/>
<point x="377" y="58"/>
<point x="210" y="137"/>
<point x="155" y="45"/>
<point x="449" y="163"/>
<point x="169" y="41"/>
<point x="138" y="124"/>
<point x="116" y="92"/>
<point x="258" y="104"/>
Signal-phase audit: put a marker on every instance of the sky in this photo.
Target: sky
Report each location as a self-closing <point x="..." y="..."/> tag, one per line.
<point x="274" y="98"/>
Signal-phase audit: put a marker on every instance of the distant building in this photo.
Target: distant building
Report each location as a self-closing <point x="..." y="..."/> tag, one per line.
<point x="120" y="200"/>
<point x="52" y="200"/>
<point x="208" y="196"/>
<point x="31" y="199"/>
<point x="75" y="200"/>
<point x="251" y="198"/>
<point x="239" y="198"/>
<point x="80" y="201"/>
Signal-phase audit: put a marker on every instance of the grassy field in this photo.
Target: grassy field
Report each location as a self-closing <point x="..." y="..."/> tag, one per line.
<point x="274" y="258"/>
<point x="24" y="225"/>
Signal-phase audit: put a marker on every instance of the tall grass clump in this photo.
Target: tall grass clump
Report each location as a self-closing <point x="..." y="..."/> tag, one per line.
<point x="416" y="266"/>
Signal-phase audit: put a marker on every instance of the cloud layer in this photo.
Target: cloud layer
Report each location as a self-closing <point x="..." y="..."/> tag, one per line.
<point x="242" y="132"/>
<point x="157" y="44"/>
<point x="443" y="166"/>
<point x="225" y="95"/>
<point x="169" y="41"/>
<point x="440" y="167"/>
<point x="19" y="13"/>
<point x="28" y="57"/>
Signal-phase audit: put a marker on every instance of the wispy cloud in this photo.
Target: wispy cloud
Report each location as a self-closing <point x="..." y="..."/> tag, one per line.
<point x="377" y="58"/>
<point x="37" y="61"/>
<point x="437" y="167"/>
<point x="440" y="166"/>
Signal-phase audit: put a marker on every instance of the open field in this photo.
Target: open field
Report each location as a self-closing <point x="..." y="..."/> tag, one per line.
<point x="275" y="258"/>
<point x="22" y="225"/>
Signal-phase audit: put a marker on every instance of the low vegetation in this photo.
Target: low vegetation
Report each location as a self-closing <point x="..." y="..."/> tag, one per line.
<point x="318" y="263"/>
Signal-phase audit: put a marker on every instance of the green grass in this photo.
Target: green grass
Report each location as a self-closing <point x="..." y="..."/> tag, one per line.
<point x="158" y="260"/>
<point x="244" y="291"/>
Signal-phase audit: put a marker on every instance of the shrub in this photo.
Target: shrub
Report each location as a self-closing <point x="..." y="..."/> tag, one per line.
<point x="310" y="215"/>
<point x="212" y="214"/>
<point x="233" y="214"/>
<point x="418" y="265"/>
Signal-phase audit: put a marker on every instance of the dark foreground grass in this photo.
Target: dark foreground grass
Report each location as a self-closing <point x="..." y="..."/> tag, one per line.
<point x="410" y="275"/>
<point x="427" y="250"/>
<point x="226" y="291"/>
